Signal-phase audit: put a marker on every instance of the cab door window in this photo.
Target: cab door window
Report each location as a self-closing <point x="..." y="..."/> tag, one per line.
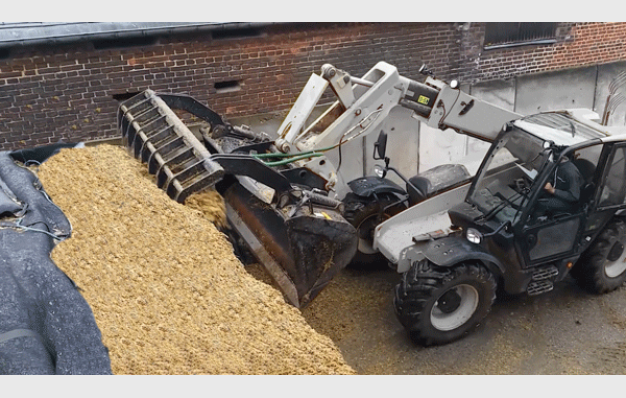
<point x="613" y="192"/>
<point x="586" y="160"/>
<point x="555" y="233"/>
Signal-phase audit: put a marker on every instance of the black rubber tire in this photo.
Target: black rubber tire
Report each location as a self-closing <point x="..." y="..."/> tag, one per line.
<point x="425" y="283"/>
<point x="361" y="211"/>
<point x="590" y="270"/>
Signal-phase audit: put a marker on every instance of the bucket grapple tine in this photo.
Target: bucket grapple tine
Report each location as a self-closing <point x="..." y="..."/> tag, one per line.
<point x="193" y="179"/>
<point x="157" y="136"/>
<point x="147" y="147"/>
<point x="147" y="131"/>
<point x="162" y="149"/>
<point x="138" y="123"/>
<point x="123" y="121"/>
<point x="179" y="160"/>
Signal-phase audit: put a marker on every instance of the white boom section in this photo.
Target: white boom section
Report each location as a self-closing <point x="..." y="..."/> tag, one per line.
<point x="300" y="111"/>
<point x="363" y="107"/>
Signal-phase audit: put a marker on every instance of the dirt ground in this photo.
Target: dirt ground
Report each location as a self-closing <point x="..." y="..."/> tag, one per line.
<point x="566" y="331"/>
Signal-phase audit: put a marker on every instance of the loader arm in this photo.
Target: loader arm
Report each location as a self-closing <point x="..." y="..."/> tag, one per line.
<point x="367" y="101"/>
<point x="364" y="106"/>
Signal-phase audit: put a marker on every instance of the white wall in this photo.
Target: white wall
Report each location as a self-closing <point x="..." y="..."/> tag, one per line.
<point x="575" y="88"/>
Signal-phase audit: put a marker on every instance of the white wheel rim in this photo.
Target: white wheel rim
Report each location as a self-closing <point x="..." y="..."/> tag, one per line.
<point x="613" y="269"/>
<point x="452" y="320"/>
<point x="365" y="245"/>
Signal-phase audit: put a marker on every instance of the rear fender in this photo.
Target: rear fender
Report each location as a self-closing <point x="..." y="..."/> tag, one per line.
<point x="447" y="252"/>
<point x="368" y="186"/>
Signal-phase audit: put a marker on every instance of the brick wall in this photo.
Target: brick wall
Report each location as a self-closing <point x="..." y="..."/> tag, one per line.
<point x="68" y="91"/>
<point x="577" y="45"/>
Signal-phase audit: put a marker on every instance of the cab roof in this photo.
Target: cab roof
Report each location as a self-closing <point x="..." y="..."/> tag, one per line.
<point x="563" y="127"/>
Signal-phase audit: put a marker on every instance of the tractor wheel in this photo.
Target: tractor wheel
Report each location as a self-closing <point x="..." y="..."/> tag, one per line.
<point x="438" y="305"/>
<point x="602" y="267"/>
<point x="364" y="215"/>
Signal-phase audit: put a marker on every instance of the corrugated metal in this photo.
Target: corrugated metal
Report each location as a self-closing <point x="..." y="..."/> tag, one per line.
<point x="27" y="33"/>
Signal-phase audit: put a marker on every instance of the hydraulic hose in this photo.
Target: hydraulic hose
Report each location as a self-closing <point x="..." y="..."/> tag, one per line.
<point x="293" y="159"/>
<point x="287" y="155"/>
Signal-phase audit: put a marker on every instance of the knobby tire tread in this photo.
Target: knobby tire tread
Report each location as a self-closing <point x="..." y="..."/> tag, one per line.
<point x="415" y="296"/>
<point x="589" y="269"/>
<point x="357" y="209"/>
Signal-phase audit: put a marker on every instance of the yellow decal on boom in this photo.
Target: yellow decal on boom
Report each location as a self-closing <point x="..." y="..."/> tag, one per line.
<point x="423" y="100"/>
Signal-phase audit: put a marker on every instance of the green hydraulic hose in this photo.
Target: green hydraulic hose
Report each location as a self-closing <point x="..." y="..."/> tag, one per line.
<point x="293" y="159"/>
<point x="286" y="155"/>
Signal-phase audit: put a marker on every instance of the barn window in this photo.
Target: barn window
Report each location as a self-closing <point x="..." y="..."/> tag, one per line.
<point x="512" y="34"/>
<point x="227" y="87"/>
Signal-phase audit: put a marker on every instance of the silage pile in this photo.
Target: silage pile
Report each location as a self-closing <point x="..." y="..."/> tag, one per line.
<point x="166" y="290"/>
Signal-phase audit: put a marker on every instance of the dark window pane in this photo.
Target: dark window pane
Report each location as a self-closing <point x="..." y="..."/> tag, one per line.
<point x="518" y="32"/>
<point x="614" y="187"/>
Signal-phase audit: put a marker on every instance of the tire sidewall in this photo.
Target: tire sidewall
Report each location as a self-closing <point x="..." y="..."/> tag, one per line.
<point x="361" y="210"/>
<point x="590" y="270"/>
<point x="485" y="291"/>
<point x="611" y="283"/>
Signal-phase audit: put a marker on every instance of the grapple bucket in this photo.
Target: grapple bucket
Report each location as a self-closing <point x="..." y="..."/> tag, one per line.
<point x="302" y="251"/>
<point x="300" y="237"/>
<point x="158" y="137"/>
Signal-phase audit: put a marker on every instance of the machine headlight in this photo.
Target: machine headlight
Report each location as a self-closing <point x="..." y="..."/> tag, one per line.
<point x="379" y="171"/>
<point x="474" y="236"/>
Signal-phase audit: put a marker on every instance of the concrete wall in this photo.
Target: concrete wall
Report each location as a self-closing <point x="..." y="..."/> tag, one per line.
<point x="585" y="87"/>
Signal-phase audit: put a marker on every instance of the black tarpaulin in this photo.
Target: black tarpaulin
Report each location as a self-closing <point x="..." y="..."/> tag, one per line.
<point x="46" y="326"/>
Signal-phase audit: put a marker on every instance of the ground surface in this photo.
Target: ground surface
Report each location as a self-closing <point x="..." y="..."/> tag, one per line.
<point x="566" y="331"/>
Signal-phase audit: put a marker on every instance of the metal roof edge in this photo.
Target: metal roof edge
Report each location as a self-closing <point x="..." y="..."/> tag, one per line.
<point x="22" y="34"/>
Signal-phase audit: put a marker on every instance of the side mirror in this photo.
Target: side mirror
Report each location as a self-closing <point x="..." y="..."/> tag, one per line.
<point x="380" y="147"/>
<point x="425" y="71"/>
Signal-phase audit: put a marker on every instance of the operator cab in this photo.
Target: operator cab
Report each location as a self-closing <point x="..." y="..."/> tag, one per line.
<point x="506" y="196"/>
<point x="524" y="158"/>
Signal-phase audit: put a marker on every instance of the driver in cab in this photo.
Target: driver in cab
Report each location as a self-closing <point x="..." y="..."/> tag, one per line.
<point x="562" y="191"/>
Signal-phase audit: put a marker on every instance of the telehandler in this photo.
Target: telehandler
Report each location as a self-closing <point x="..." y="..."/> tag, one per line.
<point x="305" y="204"/>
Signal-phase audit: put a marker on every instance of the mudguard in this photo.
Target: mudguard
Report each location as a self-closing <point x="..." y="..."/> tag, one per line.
<point x="451" y="250"/>
<point x="368" y="186"/>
